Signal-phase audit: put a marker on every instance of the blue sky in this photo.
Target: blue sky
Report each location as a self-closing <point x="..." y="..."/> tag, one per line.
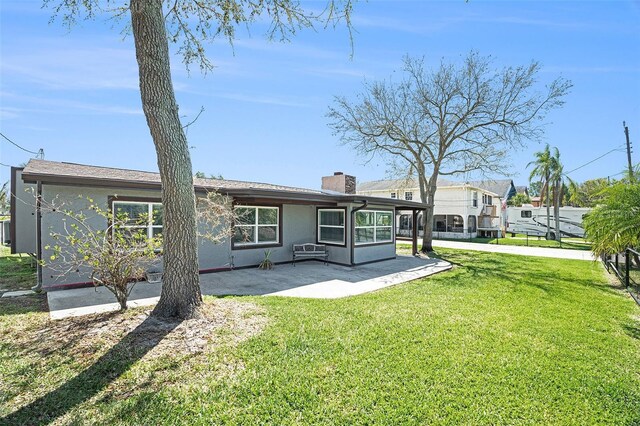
<point x="75" y="94"/>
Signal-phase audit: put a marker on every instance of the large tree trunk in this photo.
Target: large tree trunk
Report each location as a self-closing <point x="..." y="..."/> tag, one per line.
<point x="428" y="195"/>
<point x="180" y="295"/>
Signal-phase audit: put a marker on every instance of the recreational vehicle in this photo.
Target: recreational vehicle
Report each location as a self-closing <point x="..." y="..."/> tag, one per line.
<point x="533" y="221"/>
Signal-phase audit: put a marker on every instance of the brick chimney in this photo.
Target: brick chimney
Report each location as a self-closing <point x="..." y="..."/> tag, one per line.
<point x="339" y="182"/>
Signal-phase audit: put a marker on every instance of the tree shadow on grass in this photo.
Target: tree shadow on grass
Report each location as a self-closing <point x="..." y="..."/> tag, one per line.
<point x="23" y="304"/>
<point x="530" y="272"/>
<point x="632" y="330"/>
<point x="95" y="378"/>
<point x="17" y="273"/>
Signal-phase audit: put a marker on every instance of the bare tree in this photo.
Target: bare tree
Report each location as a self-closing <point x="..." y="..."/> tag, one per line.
<point x="190" y="24"/>
<point x="447" y="121"/>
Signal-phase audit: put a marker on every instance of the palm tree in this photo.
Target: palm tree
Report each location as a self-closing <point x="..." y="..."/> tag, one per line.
<point x="614" y="224"/>
<point x="543" y="166"/>
<point x="557" y="181"/>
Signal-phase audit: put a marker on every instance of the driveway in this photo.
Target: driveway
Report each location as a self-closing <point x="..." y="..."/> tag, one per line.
<point x="309" y="279"/>
<point x="522" y="250"/>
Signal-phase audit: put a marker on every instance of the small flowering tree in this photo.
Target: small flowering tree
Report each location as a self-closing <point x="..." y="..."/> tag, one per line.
<point x="116" y="256"/>
<point x="119" y="255"/>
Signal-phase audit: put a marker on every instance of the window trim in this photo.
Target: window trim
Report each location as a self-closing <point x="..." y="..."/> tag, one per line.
<point x="318" y="241"/>
<point x="375" y="228"/>
<point x="394" y="195"/>
<point x="249" y="246"/>
<point x="410" y="194"/>
<point x="113" y="199"/>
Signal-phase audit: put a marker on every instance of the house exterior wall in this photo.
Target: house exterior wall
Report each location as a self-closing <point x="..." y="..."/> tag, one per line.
<point x="75" y="199"/>
<point x="371" y="253"/>
<point x="298" y="223"/>
<point x="23" y="215"/>
<point x="341" y="253"/>
<point x="298" y="226"/>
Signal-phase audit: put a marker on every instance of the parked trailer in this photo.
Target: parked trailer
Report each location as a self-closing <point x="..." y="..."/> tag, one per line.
<point x="533" y="221"/>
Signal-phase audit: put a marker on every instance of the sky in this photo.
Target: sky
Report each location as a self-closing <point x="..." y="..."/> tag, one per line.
<point x="74" y="92"/>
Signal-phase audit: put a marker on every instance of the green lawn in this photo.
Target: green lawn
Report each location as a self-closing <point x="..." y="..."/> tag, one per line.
<point x="521" y="240"/>
<point x="500" y="339"/>
<point x="16" y="272"/>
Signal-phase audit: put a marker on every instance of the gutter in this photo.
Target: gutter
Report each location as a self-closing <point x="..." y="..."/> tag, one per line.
<point x="353" y="228"/>
<point x="38" y="287"/>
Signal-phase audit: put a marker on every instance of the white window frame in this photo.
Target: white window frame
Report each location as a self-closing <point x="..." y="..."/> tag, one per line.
<point x="408" y="195"/>
<point x="257" y="226"/>
<point x="375" y="228"/>
<point x="474" y="199"/>
<point x="343" y="227"/>
<point x="394" y="195"/>
<point x="150" y="226"/>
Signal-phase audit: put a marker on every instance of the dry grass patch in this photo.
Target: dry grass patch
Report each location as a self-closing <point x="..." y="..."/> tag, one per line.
<point x="68" y="366"/>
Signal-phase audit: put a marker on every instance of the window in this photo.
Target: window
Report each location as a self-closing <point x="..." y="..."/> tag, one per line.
<point x="374" y="227"/>
<point x="525" y="213"/>
<point x="394" y="195"/>
<point x="405" y="222"/>
<point x="257" y="225"/>
<point x="475" y="198"/>
<point x="489" y="200"/>
<point x="408" y="196"/>
<point x="140" y="216"/>
<point x="331" y="226"/>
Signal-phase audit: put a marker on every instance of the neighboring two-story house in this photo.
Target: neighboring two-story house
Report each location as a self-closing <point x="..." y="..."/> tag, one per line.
<point x="461" y="210"/>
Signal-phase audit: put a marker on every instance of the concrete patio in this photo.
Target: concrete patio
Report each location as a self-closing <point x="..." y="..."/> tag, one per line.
<point x="310" y="279"/>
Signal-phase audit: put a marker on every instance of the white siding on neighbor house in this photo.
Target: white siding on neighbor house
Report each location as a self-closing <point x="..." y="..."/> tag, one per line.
<point x="453" y="200"/>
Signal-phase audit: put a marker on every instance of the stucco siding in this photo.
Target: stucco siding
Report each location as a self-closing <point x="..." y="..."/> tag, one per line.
<point x="298" y="226"/>
<point x="75" y="199"/>
<point x="25" y="216"/>
<point x="374" y="253"/>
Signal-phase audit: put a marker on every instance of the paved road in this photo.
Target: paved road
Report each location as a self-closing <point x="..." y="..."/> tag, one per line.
<point x="525" y="251"/>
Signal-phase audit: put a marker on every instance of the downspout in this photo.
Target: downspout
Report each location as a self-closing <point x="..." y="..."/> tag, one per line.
<point x="38" y="287"/>
<point x="353" y="228"/>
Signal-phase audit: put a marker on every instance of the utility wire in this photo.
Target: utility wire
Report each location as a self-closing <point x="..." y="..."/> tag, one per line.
<point x="594" y="160"/>
<point x="6" y="165"/>
<point x="24" y="149"/>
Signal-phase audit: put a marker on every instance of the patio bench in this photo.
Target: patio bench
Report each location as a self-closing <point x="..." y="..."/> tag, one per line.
<point x="310" y="250"/>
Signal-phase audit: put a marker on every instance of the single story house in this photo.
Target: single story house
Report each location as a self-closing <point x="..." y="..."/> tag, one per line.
<point x="356" y="229"/>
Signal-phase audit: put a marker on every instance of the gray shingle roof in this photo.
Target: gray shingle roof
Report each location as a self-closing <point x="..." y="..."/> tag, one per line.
<point x="395" y="184"/>
<point x="497" y="186"/>
<point x="53" y="170"/>
<point x="82" y="174"/>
